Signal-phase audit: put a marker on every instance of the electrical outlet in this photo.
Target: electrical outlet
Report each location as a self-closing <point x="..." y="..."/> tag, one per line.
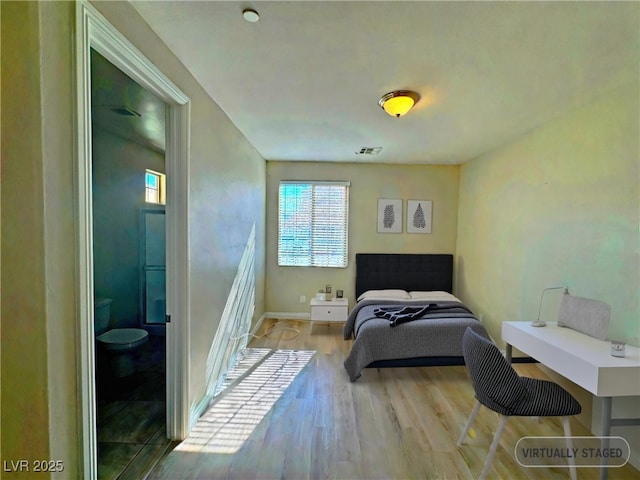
<point x="303" y="298"/>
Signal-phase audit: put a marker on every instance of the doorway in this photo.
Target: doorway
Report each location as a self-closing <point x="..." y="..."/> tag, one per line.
<point x="129" y="265"/>
<point x="93" y="31"/>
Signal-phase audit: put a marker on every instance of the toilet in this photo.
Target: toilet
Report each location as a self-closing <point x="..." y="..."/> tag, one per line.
<point x="118" y="343"/>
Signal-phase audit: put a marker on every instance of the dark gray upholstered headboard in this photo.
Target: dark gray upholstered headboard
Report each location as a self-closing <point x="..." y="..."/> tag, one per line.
<point x="406" y="271"/>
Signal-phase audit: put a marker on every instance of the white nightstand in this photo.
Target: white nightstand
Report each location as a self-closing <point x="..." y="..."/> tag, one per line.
<point x="334" y="310"/>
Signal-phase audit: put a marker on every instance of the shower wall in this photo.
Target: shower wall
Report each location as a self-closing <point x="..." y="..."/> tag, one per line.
<point x="118" y="198"/>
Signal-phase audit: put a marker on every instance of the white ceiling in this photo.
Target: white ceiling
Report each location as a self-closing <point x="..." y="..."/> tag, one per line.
<point x="303" y="82"/>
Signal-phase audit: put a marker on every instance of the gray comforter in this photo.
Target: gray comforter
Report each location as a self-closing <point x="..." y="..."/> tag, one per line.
<point x="436" y="334"/>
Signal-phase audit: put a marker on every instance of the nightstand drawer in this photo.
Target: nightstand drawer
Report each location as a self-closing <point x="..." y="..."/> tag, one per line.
<point x="331" y="311"/>
<point x="329" y="314"/>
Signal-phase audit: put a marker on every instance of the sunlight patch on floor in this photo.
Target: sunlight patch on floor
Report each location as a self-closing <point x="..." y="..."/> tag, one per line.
<point x="245" y="361"/>
<point x="232" y="418"/>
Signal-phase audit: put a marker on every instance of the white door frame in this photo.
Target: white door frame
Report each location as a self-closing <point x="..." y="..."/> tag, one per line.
<point x="94" y="31"/>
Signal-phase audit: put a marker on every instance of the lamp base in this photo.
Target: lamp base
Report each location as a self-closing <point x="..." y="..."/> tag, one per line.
<point x="539" y="323"/>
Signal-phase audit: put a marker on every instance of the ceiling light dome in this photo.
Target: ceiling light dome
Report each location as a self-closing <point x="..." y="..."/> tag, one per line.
<point x="250" y="15"/>
<point x="398" y="102"/>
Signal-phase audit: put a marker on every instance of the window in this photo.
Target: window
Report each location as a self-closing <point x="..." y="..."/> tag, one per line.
<point x="313" y="224"/>
<point x="154" y="187"/>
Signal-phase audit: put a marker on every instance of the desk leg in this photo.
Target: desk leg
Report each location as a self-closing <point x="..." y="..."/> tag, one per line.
<point x="508" y="352"/>
<point x="605" y="422"/>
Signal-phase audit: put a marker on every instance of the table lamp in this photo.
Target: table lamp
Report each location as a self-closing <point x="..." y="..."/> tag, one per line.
<point x="542" y="323"/>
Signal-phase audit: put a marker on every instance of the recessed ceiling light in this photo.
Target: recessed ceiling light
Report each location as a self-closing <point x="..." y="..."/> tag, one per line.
<point x="250" y="15"/>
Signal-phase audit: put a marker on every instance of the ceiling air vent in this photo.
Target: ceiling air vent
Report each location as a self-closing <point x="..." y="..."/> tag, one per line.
<point x="369" y="151"/>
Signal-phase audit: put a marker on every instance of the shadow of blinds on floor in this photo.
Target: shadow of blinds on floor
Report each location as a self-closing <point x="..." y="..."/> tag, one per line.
<point x="233" y="416"/>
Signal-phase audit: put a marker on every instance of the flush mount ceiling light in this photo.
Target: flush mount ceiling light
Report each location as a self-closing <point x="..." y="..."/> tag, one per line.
<point x="250" y="15"/>
<point x="398" y="102"/>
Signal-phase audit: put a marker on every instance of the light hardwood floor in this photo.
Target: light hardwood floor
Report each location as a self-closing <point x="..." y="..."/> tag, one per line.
<point x="400" y="423"/>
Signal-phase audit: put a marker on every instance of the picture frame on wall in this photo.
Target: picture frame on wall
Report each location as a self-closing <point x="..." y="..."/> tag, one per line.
<point x="419" y="213"/>
<point x="389" y="215"/>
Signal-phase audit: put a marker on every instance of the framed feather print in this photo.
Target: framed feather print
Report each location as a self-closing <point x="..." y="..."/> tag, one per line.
<point x="419" y="216"/>
<point x="389" y="216"/>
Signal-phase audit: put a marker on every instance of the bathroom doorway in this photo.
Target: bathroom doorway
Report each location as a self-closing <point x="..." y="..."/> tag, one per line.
<point x="93" y="31"/>
<point x="129" y="265"/>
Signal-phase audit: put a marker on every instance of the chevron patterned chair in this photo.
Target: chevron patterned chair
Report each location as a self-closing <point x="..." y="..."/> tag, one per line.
<point x="498" y="387"/>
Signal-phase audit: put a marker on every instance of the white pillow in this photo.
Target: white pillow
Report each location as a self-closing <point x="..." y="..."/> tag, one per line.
<point x="435" y="295"/>
<point x="389" y="294"/>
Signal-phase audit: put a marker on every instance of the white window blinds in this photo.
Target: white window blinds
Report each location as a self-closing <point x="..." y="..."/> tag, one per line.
<point x="313" y="224"/>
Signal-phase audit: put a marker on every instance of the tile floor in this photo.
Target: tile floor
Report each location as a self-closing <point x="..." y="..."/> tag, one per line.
<point x="131" y="415"/>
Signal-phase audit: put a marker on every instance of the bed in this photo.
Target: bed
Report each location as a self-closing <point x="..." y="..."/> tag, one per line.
<point x="406" y="314"/>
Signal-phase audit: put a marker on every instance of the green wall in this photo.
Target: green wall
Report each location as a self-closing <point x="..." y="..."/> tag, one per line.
<point x="369" y="182"/>
<point x="558" y="206"/>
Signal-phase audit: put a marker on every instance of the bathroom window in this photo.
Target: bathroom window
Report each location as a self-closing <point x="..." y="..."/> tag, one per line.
<point x="154" y="191"/>
<point x="313" y="224"/>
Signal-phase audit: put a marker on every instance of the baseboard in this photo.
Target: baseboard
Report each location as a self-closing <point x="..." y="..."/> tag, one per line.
<point x="257" y="326"/>
<point x="288" y="315"/>
<point x="198" y="410"/>
<point x="278" y="316"/>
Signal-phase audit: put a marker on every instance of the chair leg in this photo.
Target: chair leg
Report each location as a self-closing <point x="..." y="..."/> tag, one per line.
<point x="567" y="434"/>
<point x="494" y="446"/>
<point x="467" y="427"/>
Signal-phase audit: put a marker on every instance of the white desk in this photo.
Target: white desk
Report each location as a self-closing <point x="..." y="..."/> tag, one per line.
<point x="582" y="359"/>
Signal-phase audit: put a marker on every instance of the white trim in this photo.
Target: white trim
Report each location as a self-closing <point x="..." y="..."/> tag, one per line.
<point x="178" y="286"/>
<point x="257" y="326"/>
<point x="84" y="235"/>
<point x="94" y="31"/>
<point x="287" y="315"/>
<point x="198" y="410"/>
<point x="318" y="182"/>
